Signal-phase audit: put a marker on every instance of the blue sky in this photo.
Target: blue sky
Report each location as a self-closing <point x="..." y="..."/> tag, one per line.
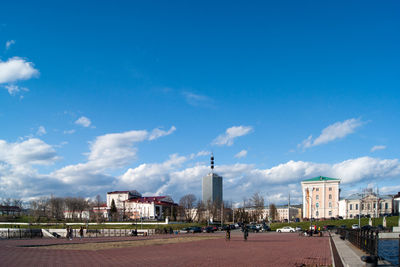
<point x="101" y="96"/>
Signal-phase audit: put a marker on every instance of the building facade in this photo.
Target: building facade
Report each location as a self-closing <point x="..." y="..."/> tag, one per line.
<point x="132" y="205"/>
<point x="283" y="213"/>
<point x="212" y="188"/>
<point x="320" y="197"/>
<point x="368" y="204"/>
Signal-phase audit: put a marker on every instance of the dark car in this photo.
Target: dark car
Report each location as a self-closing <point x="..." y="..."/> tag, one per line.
<point x="366" y="227"/>
<point x="253" y="228"/>
<point x="208" y="229"/>
<point x="195" y="229"/>
<point x="266" y="228"/>
<point x="329" y="227"/>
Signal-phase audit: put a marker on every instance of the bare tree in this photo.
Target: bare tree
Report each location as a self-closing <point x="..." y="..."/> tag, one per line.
<point x="187" y="202"/>
<point x="258" y="205"/>
<point x="56" y="207"/>
<point x="200" y="212"/>
<point x="39" y="208"/>
<point x="273" y="212"/>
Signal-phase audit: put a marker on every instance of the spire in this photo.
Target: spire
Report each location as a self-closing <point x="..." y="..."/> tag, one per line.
<point x="212" y="162"/>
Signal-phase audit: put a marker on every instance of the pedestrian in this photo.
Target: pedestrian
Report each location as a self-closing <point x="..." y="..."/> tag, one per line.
<point x="67" y="235"/>
<point x="81" y="232"/>
<point x="70" y="233"/>
<point x="245" y="232"/>
<point x="228" y="234"/>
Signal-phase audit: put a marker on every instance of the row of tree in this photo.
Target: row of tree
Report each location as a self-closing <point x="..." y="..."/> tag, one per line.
<point x="252" y="210"/>
<point x="53" y="208"/>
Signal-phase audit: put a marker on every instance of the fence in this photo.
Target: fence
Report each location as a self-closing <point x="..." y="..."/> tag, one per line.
<point x="13" y="233"/>
<point x="7" y="233"/>
<point x="368" y="241"/>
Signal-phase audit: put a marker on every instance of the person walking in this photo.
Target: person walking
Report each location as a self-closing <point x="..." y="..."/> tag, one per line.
<point x="81" y="232"/>
<point x="70" y="233"/>
<point x="228" y="234"/>
<point x="67" y="235"/>
<point x="245" y="232"/>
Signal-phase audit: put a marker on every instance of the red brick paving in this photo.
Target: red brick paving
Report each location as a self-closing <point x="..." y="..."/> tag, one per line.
<point x="264" y="249"/>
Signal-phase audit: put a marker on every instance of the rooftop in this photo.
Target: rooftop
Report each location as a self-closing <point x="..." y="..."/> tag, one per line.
<point x="321" y="178"/>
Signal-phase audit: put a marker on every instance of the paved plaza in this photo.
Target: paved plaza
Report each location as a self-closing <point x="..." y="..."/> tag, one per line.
<point x="263" y="249"/>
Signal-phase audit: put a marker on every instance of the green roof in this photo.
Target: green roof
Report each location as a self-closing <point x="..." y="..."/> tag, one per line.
<point x="321" y="178"/>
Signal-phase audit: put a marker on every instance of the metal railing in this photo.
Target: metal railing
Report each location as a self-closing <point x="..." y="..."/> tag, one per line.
<point x="366" y="240"/>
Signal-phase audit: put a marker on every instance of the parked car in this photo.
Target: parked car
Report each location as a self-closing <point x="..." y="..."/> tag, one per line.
<point x="208" y="229"/>
<point x="286" y="229"/>
<point x="366" y="227"/>
<point x="329" y="227"/>
<point x="195" y="229"/>
<point x="298" y="229"/>
<point x="355" y="227"/>
<point x="184" y="230"/>
<point x="265" y="228"/>
<point x="253" y="228"/>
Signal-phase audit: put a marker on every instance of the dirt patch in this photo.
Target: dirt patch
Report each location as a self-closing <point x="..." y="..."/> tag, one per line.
<point x="125" y="244"/>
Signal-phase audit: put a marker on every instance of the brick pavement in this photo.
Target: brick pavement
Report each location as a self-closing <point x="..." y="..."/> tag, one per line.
<point x="264" y="249"/>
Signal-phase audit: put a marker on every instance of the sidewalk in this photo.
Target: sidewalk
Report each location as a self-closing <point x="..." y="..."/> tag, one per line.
<point x="350" y="255"/>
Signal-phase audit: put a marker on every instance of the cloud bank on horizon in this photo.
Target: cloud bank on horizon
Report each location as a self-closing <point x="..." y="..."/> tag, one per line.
<point x="178" y="175"/>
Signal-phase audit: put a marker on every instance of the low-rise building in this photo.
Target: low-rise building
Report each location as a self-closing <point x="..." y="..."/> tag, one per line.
<point x="368" y="203"/>
<point x="131" y="204"/>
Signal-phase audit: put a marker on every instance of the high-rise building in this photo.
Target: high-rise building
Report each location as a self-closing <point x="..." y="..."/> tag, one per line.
<point x="212" y="186"/>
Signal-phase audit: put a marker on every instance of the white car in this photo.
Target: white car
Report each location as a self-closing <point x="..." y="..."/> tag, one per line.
<point x="355" y="227"/>
<point x="286" y="229"/>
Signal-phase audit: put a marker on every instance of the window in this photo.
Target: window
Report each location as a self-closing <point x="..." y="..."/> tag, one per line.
<point x="330" y="196"/>
<point x="317" y="205"/>
<point x="374" y="205"/>
<point x="317" y="197"/>
<point x="386" y="206"/>
<point x="362" y="206"/>
<point x="316" y="213"/>
<point x="351" y="206"/>
<point x="369" y="206"/>
<point x="330" y="204"/>
<point x="317" y="189"/>
<point x="356" y="206"/>
<point x="330" y="213"/>
<point x="330" y="188"/>
<point x="351" y="215"/>
<point x="380" y="205"/>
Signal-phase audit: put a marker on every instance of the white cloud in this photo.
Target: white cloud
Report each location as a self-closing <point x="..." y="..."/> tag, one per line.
<point x="15" y="89"/>
<point x="107" y="152"/>
<point x="157" y="133"/>
<point x="332" y="132"/>
<point x="197" y="100"/>
<point x="15" y="69"/>
<point x="375" y="148"/>
<point x="203" y="153"/>
<point x="41" y="131"/>
<point x="69" y="131"/>
<point x="29" y="152"/>
<point x="231" y="133"/>
<point x="9" y="44"/>
<point x="241" y="154"/>
<point x="83" y="121"/>
<point x="115" y="150"/>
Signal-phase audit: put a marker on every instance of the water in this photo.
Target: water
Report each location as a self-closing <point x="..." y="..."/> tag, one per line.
<point x="389" y="250"/>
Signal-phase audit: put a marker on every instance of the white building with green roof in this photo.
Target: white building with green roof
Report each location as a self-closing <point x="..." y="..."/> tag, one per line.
<point x="320" y="197"/>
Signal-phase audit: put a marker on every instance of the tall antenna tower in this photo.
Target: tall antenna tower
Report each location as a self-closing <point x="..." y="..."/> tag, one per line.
<point x="212" y="163"/>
